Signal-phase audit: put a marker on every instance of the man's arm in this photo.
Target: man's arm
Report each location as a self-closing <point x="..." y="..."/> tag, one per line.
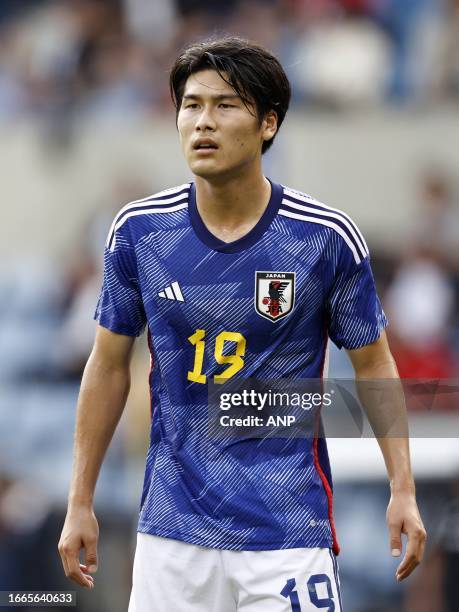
<point x="389" y="421"/>
<point x="104" y="390"/>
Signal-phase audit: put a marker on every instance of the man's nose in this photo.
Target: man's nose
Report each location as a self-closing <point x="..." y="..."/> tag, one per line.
<point x="205" y="120"/>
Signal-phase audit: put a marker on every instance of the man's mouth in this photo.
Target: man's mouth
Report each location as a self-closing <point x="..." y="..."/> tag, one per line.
<point x="205" y="144"/>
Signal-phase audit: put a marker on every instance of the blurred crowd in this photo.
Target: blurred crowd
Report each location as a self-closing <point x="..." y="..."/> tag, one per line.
<point x="109" y="58"/>
<point x="426" y="285"/>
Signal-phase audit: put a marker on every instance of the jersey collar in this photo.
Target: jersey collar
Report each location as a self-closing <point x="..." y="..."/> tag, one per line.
<point x="245" y="241"/>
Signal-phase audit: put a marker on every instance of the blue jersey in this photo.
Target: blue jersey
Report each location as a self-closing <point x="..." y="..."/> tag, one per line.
<point x="260" y="307"/>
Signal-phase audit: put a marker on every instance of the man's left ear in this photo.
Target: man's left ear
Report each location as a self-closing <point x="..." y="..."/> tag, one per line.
<point x="270" y="125"/>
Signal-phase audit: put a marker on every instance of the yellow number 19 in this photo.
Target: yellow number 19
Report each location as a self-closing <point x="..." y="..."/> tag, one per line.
<point x="235" y="361"/>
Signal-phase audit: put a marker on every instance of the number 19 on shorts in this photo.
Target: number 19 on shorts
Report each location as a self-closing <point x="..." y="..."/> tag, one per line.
<point x="319" y="591"/>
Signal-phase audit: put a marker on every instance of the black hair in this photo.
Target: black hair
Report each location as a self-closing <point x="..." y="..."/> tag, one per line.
<point x="251" y="70"/>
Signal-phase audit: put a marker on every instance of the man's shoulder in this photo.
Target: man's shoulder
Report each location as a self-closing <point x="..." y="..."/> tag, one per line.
<point x="300" y="207"/>
<point x="304" y="202"/>
<point x="138" y="217"/>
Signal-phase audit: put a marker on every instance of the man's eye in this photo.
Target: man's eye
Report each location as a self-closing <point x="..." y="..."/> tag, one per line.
<point x="192" y="105"/>
<point x="224" y="105"/>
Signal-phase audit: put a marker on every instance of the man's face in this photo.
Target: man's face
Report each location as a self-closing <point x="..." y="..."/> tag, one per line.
<point x="218" y="133"/>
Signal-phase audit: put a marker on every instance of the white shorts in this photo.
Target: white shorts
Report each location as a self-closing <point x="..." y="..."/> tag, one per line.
<point x="174" y="576"/>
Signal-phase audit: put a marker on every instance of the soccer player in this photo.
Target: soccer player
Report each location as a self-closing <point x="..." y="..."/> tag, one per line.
<point x="234" y="276"/>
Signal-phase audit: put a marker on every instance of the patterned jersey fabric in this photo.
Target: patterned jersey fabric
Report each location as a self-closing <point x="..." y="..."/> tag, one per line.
<point x="260" y="307"/>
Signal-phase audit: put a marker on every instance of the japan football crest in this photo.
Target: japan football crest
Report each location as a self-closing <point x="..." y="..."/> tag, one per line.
<point x="274" y="294"/>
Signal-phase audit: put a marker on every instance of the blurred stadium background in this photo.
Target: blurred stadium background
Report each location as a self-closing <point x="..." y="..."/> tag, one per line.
<point x="86" y="125"/>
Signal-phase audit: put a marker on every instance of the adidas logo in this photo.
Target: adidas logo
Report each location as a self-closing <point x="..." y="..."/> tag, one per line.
<point x="172" y="292"/>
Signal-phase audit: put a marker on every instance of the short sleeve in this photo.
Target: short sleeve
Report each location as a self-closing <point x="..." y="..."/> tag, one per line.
<point x="355" y="314"/>
<point x="120" y="306"/>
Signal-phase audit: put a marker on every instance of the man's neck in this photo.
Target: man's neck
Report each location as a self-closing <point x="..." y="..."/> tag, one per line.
<point x="232" y="208"/>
